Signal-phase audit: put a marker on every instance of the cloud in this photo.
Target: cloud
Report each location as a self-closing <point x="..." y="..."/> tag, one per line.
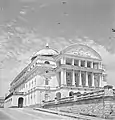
<point x="43" y="5"/>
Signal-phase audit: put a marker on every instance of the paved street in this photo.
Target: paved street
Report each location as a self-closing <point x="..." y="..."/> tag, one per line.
<point x="28" y="114"/>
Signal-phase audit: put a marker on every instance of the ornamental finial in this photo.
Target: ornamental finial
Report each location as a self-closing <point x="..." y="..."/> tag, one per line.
<point x="47" y="45"/>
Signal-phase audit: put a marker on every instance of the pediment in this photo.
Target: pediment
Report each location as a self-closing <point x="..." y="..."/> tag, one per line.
<point x="82" y="51"/>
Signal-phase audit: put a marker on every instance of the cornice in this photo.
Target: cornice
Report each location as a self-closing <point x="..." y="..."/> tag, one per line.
<point x="72" y="67"/>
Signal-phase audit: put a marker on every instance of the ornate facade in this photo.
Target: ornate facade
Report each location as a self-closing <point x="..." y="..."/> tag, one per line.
<point x="52" y="74"/>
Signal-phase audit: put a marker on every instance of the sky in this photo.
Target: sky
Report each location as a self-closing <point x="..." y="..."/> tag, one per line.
<point x="27" y="25"/>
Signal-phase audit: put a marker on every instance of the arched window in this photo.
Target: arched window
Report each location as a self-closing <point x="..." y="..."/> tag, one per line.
<point x="58" y="95"/>
<point x="47" y="62"/>
<point x="71" y="93"/>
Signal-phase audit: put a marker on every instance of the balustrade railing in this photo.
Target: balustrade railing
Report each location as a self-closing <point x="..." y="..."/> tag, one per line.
<point x="78" y="97"/>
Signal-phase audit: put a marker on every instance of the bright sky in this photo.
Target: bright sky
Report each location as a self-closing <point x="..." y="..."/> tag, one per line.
<point x="26" y="26"/>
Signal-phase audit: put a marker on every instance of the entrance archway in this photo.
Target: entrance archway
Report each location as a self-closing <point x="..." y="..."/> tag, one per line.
<point x="20" y="102"/>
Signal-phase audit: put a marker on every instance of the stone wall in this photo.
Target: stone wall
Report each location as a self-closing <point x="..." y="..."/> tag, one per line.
<point x="100" y="107"/>
<point x="98" y="104"/>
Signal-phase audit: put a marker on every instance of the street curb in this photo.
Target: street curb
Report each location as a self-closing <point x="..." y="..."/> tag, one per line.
<point x="69" y="115"/>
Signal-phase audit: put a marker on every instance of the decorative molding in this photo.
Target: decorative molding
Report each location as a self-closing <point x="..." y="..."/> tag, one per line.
<point x="83" y="52"/>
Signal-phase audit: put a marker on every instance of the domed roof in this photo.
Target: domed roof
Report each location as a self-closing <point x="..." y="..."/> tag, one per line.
<point x="46" y="52"/>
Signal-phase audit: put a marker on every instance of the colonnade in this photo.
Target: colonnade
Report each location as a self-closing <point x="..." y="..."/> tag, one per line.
<point x="70" y="77"/>
<point x="92" y="62"/>
<point x="80" y="78"/>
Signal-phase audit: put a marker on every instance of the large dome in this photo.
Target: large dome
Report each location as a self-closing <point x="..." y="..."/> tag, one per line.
<point x="46" y="52"/>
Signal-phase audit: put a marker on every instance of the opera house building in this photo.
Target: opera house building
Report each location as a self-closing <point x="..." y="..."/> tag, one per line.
<point x="52" y="74"/>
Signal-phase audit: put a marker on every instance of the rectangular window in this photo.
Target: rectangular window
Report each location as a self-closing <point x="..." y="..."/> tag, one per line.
<point x="77" y="78"/>
<point x="95" y="65"/>
<point x="89" y="64"/>
<point x="82" y="63"/>
<point x="59" y="78"/>
<point x="76" y="62"/>
<point x="69" y="78"/>
<point x="68" y="61"/>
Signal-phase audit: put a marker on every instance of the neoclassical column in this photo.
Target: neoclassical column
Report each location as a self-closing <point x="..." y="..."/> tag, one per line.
<point x="91" y="64"/>
<point x="86" y="79"/>
<point x="93" y="84"/>
<point x="85" y="63"/>
<point x="80" y="82"/>
<point x="73" y="80"/>
<point x="63" y="77"/>
<point x="63" y="60"/>
<point x="79" y="62"/>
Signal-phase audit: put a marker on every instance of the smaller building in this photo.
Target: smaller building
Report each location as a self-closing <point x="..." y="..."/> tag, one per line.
<point x="1" y="102"/>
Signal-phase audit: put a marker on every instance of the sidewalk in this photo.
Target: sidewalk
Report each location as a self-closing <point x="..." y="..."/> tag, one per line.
<point x="82" y="117"/>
